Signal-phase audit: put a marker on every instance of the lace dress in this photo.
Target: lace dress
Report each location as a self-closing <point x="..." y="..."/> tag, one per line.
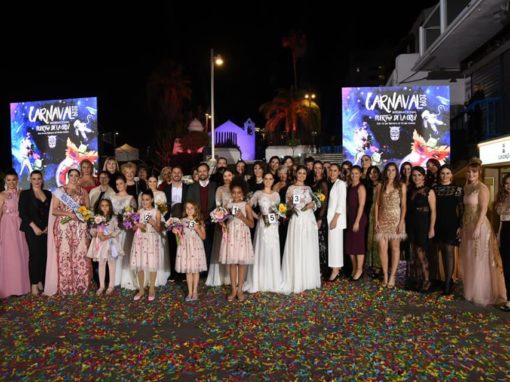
<point x="300" y="266"/>
<point x="265" y="273"/>
<point x="481" y="267"/>
<point x="124" y="276"/>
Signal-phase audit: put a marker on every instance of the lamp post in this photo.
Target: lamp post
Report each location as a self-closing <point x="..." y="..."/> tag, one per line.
<point x="215" y="60"/>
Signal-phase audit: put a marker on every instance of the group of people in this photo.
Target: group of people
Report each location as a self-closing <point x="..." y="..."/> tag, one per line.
<point x="289" y="227"/>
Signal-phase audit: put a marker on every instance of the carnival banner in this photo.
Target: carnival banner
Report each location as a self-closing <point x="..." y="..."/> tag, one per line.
<point x="396" y="124"/>
<point x="53" y="136"/>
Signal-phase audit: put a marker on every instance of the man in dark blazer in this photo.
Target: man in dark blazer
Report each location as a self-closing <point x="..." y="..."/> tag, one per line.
<point x="203" y="193"/>
<point x="175" y="196"/>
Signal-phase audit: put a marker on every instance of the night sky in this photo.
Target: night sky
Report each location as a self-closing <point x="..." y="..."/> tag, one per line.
<point x="84" y="50"/>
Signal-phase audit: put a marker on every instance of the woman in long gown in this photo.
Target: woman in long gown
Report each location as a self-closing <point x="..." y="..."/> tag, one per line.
<point x="164" y="258"/>
<point x="121" y="201"/>
<point x="71" y="239"/>
<point x="320" y="184"/>
<point x="218" y="274"/>
<point x="14" y="278"/>
<point x="301" y="269"/>
<point x="481" y="267"/>
<point x="265" y="274"/>
<point x="337" y="221"/>
<point x="390" y="212"/>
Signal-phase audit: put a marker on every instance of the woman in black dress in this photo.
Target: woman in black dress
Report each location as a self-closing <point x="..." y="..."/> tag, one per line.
<point x="422" y="210"/>
<point x="320" y="185"/>
<point x="450" y="208"/>
<point x="34" y="210"/>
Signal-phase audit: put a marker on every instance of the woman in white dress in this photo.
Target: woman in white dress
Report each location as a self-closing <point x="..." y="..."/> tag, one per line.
<point x="164" y="258"/>
<point x="265" y="274"/>
<point x="301" y="269"/>
<point x="219" y="273"/>
<point x="124" y="276"/>
<point x="336" y="221"/>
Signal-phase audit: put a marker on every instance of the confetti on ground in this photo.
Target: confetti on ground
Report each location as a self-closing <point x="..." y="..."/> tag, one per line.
<point x="344" y="331"/>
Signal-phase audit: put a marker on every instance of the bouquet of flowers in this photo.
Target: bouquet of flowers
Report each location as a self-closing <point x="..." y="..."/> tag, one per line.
<point x="83" y="213"/>
<point x="281" y="210"/>
<point x="130" y="218"/>
<point x="175" y="226"/>
<point x="319" y="198"/>
<point x="219" y="215"/>
<point x="162" y="207"/>
<point x="99" y="221"/>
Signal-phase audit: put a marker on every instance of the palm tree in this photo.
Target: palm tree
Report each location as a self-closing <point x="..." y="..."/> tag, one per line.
<point x="168" y="91"/>
<point x="290" y="115"/>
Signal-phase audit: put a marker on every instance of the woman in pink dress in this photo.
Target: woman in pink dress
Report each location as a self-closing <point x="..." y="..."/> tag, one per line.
<point x="71" y="238"/>
<point x="481" y="266"/>
<point x="190" y="252"/>
<point x="145" y="252"/>
<point x="237" y="249"/>
<point x="14" y="278"/>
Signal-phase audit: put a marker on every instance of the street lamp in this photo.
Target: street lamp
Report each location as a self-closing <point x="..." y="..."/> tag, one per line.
<point x="215" y="60"/>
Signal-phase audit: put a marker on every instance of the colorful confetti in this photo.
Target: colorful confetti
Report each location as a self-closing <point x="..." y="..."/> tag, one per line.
<point x="344" y="331"/>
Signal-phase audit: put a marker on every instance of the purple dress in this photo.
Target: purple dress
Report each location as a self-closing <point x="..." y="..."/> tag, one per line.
<point x="14" y="278"/>
<point x="354" y="241"/>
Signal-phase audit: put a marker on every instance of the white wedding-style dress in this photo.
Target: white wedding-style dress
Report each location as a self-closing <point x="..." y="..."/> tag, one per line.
<point x="265" y="274"/>
<point x="300" y="266"/>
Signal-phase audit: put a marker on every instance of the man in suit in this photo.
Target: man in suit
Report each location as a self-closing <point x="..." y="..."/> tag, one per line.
<point x="203" y="193"/>
<point x="175" y="192"/>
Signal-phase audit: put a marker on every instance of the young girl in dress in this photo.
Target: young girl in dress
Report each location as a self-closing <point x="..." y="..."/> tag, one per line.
<point x="190" y="253"/>
<point x="146" y="245"/>
<point x="237" y="250"/>
<point x="105" y="246"/>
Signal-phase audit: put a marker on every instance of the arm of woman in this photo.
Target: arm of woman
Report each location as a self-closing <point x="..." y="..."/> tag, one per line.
<point x="378" y="191"/>
<point x="248" y="219"/>
<point x="156" y="222"/>
<point x="200" y="228"/>
<point x="86" y="199"/>
<point x="219" y="195"/>
<point x="2" y="200"/>
<point x="403" y="208"/>
<point x="433" y="213"/>
<point x="362" y="197"/>
<point x="58" y="212"/>
<point x="483" y="201"/>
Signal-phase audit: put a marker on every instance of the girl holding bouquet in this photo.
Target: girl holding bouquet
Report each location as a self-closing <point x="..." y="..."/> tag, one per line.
<point x="70" y="238"/>
<point x="161" y="204"/>
<point x="123" y="202"/>
<point x="145" y="251"/>
<point x="190" y="253"/>
<point x="301" y="269"/>
<point x="265" y="274"/>
<point x="105" y="246"/>
<point x="237" y="250"/>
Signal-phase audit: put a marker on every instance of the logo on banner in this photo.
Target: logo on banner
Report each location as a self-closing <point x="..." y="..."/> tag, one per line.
<point x="52" y="141"/>
<point x="394" y="133"/>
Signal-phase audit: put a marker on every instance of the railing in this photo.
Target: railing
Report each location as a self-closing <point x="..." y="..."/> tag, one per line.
<point x="481" y="120"/>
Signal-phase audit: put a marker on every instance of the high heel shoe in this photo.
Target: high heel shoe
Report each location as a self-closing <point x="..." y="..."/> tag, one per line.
<point x="426" y="286"/>
<point x="359" y="277"/>
<point x="332" y="279"/>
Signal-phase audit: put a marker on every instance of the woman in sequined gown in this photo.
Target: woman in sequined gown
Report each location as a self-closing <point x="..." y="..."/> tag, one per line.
<point x="481" y="267"/>
<point x="390" y="211"/>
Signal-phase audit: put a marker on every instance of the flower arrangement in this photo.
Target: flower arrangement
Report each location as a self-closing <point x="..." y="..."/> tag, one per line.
<point x="219" y="215"/>
<point x="130" y="218"/>
<point x="319" y="198"/>
<point x="175" y="226"/>
<point x="83" y="213"/>
<point x="162" y="207"/>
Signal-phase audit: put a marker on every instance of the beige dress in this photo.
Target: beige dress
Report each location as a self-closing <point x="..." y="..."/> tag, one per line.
<point x="481" y="266"/>
<point x="389" y="216"/>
